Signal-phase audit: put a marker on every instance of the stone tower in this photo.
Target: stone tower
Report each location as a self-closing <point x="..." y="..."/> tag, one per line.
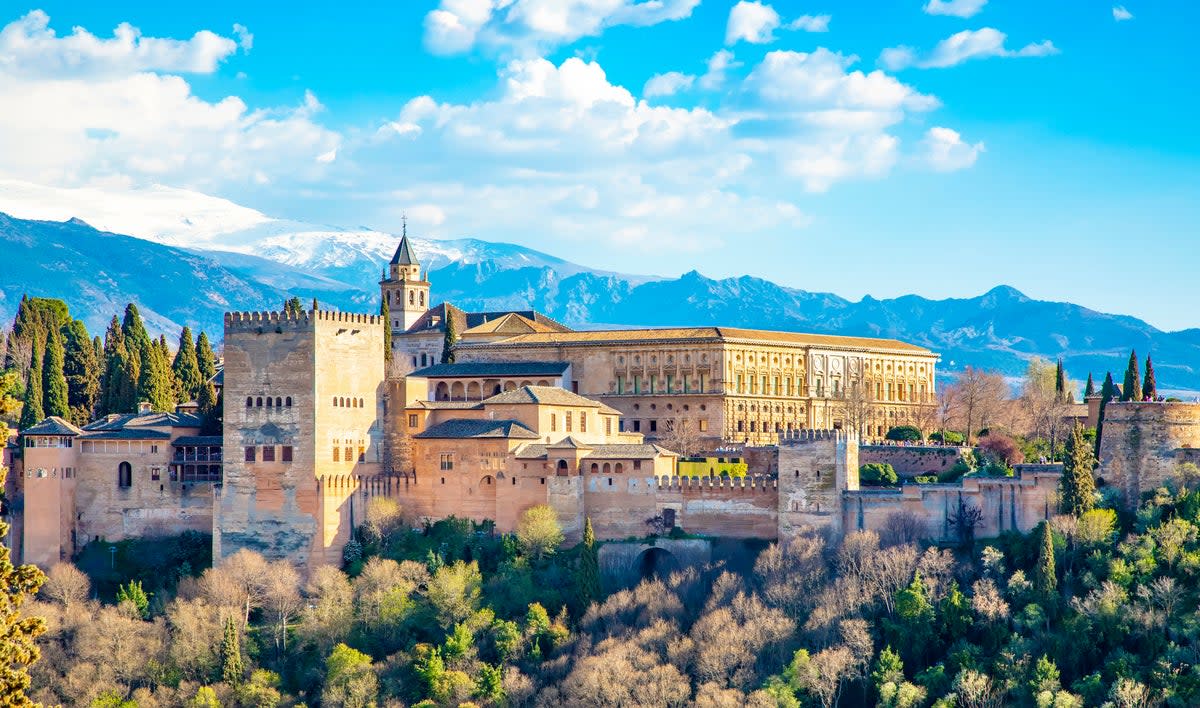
<point x="404" y="290"/>
<point x="815" y="468"/>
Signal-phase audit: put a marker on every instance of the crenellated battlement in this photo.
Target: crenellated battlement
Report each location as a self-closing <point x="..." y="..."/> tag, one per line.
<point x="807" y="435"/>
<point x="259" y="322"/>
<point x="755" y="483"/>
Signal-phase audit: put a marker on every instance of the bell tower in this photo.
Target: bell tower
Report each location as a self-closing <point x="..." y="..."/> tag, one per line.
<point x="403" y="288"/>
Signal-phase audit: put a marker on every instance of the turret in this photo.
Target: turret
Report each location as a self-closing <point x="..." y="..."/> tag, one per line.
<point x="404" y="290"/>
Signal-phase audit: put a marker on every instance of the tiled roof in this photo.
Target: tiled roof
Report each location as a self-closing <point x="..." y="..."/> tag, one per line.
<point x="404" y="254"/>
<point x="710" y="334"/>
<point x="145" y="420"/>
<point x="512" y="323"/>
<point x="471" y="428"/>
<point x="546" y="395"/>
<point x="434" y="319"/>
<point x="569" y="442"/>
<point x="444" y="405"/>
<point x="197" y="440"/>
<point x="487" y="368"/>
<point x="126" y="434"/>
<point x="640" y="451"/>
<point x="53" y="426"/>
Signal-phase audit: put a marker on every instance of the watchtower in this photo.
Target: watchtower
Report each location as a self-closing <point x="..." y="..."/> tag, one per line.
<point x="403" y="289"/>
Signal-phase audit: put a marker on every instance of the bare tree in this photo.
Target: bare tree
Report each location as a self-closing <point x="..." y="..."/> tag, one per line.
<point x="980" y="396"/>
<point x="682" y="435"/>
<point x="66" y="585"/>
<point x="858" y="408"/>
<point x="281" y="600"/>
<point x="964" y="519"/>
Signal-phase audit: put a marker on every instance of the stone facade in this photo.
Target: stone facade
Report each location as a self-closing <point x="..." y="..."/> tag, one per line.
<point x="913" y="460"/>
<point x="1143" y="444"/>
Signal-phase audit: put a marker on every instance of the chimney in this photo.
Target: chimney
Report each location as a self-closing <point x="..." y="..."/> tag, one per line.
<point x="144" y="407"/>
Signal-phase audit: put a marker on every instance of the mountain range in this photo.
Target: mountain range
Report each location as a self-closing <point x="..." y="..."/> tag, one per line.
<point x="186" y="258"/>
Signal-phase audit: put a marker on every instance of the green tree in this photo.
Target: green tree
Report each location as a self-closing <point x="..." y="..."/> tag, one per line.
<point x="233" y="668"/>
<point x="1044" y="578"/>
<point x="588" y="580"/>
<point x="205" y="359"/>
<point x="490" y="684"/>
<point x="386" y="315"/>
<point x="205" y="697"/>
<point x="155" y="382"/>
<point x="451" y="337"/>
<point x="1132" y="390"/>
<point x="186" y="368"/>
<point x="1150" y="386"/>
<point x="82" y="369"/>
<point x="293" y="307"/>
<point x="32" y="411"/>
<point x="889" y="668"/>
<point x="1090" y="389"/>
<point x="538" y="531"/>
<point x="1107" y="393"/>
<point x="54" y="383"/>
<point x="912" y="625"/>
<point x="350" y="680"/>
<point x="19" y="631"/>
<point x="1060" y="383"/>
<point x="133" y="593"/>
<point x="1077" y="486"/>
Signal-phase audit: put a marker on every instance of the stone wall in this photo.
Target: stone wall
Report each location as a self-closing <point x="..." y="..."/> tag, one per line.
<point x="1143" y="443"/>
<point x="912" y="460"/>
<point x="815" y="468"/>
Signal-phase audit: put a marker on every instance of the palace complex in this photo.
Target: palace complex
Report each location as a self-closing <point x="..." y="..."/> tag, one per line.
<point x="325" y="410"/>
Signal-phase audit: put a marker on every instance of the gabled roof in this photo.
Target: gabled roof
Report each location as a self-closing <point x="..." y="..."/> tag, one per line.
<point x="569" y="442"/>
<point x="490" y="368"/>
<point x="511" y="324"/>
<point x="473" y="428"/>
<point x="53" y="426"/>
<point x="125" y="434"/>
<point x="627" y="451"/>
<point x="404" y="254"/>
<point x="435" y="318"/>
<point x="145" y="420"/>
<point x="546" y="396"/>
<point x="196" y="440"/>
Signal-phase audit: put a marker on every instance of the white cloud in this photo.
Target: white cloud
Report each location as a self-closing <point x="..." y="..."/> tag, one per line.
<point x="718" y="65"/>
<point x="244" y="36"/>
<point x="667" y="84"/>
<point x="1120" y="14"/>
<point x="28" y="47"/>
<point x="954" y="8"/>
<point x="945" y="150"/>
<point x="810" y="23"/>
<point x="752" y="22"/>
<point x="963" y="46"/>
<point x="524" y="27"/>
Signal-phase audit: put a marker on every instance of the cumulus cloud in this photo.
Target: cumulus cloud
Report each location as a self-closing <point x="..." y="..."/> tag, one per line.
<point x="810" y="23"/>
<point x="29" y="47"/>
<point x="718" y="65"/>
<point x="244" y="36"/>
<point x="752" y="22"/>
<point x="946" y="151"/>
<point x="1120" y="14"/>
<point x="954" y="8"/>
<point x="667" y="84"/>
<point x="960" y="47"/>
<point x="525" y="27"/>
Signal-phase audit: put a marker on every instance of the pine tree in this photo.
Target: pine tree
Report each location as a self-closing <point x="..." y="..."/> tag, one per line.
<point x="154" y="382"/>
<point x="293" y="307"/>
<point x="386" y="315"/>
<point x="1044" y="578"/>
<point x="1107" y="393"/>
<point x="589" y="567"/>
<point x="233" y="668"/>
<point x="82" y="370"/>
<point x="214" y="420"/>
<point x="1132" y="390"/>
<point x="1077" y="486"/>
<point x="1060" y="383"/>
<point x="32" y="411"/>
<point x="54" y="383"/>
<point x="205" y="359"/>
<point x="119" y="385"/>
<point x="1150" y="387"/>
<point x="18" y="649"/>
<point x="187" y="369"/>
<point x="451" y="337"/>
<point x="1091" y="387"/>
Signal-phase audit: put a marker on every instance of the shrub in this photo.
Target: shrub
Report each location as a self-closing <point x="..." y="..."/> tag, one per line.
<point x="926" y="479"/>
<point x="955" y="473"/>
<point x="907" y="433"/>
<point x="950" y="437"/>
<point x="877" y="474"/>
<point x="1000" y="448"/>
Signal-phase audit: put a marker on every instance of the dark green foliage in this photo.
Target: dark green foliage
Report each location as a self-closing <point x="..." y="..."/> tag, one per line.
<point x="912" y="627"/>
<point x="293" y="307"/>
<point x="451" y="337"/>
<point x="186" y="369"/>
<point x="949" y="437"/>
<point x="386" y="315"/>
<point x="1060" y="383"/>
<point x="133" y="593"/>
<point x="233" y="667"/>
<point x="1090" y="390"/>
<point x="210" y="409"/>
<point x="118" y="389"/>
<point x="1132" y="390"/>
<point x="82" y="369"/>
<point x="588" y="580"/>
<point x="889" y="668"/>
<point x="19" y="630"/>
<point x="205" y="359"/>
<point x="155" y="383"/>
<point x="54" y="383"/>
<point x="1078" y="486"/>
<point x="1149" y="386"/>
<point x="877" y="474"/>
<point x="1107" y="393"/>
<point x="156" y="563"/>
<point x="905" y="433"/>
<point x="1045" y="579"/>
<point x="32" y="411"/>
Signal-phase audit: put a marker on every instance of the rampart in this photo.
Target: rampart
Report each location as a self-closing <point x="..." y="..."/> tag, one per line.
<point x="1143" y="444"/>
<point x="912" y="460"/>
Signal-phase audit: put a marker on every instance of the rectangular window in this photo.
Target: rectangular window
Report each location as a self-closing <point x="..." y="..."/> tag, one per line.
<point x="789" y="385"/>
<point x="286" y="451"/>
<point x="654" y="426"/>
<point x="878" y="391"/>
<point x="765" y="389"/>
<point x="608" y="426"/>
<point x="703" y="382"/>
<point x="740" y="384"/>
<point x="553" y="422"/>
<point x="362" y="454"/>
<point x="637" y="383"/>
<point x="583" y="421"/>
<point x="776" y="389"/>
<point x="637" y="426"/>
<point x="155" y="473"/>
<point x="704" y="425"/>
<point x="620" y="384"/>
<point x="268" y="453"/>
<point x="413" y="419"/>
<point x="446" y="461"/>
<point x="153" y="449"/>
<point x="741" y="426"/>
<point x="754" y="426"/>
<point x="337" y="454"/>
<point x="349" y="454"/>
<point x="567" y="419"/>
<point x="249" y="454"/>
<point x="621" y="426"/>
<point x="637" y="464"/>
<point x="653" y="383"/>
<point x="670" y="383"/>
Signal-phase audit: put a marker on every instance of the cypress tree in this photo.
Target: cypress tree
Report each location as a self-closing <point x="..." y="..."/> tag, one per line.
<point x="54" y="383"/>
<point x="1044" y="577"/>
<point x="233" y="668"/>
<point x="205" y="359"/>
<point x="19" y="629"/>
<point x="187" y="369"/>
<point x="451" y="337"/>
<point x="589" y="567"/>
<point x="386" y="315"/>
<point x="1107" y="393"/>
<point x="154" y="383"/>
<point x="293" y="307"/>
<point x="1077" y="486"/>
<point x="32" y="412"/>
<point x="119" y="385"/>
<point x="1132" y="390"/>
<point x="1150" y="387"/>
<point x="207" y="402"/>
<point x="1091" y="387"/>
<point x="10" y="352"/>
<point x="82" y="370"/>
<point x="1060" y="383"/>
<point x="214" y="420"/>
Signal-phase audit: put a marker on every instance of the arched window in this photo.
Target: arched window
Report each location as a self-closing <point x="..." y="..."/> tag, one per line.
<point x="335" y="401"/>
<point x="619" y="469"/>
<point x="423" y="360"/>
<point x="362" y="403"/>
<point x="595" y="468"/>
<point x="270" y="402"/>
<point x="278" y="402"/>
<point x="249" y="401"/>
<point x="124" y="475"/>
<point x="411" y="298"/>
<point x="487" y="481"/>
<point x="607" y="468"/>
<point x="562" y="468"/>
<point x="422" y="299"/>
<point x="414" y="361"/>
<point x="288" y="401"/>
<point x="258" y="402"/>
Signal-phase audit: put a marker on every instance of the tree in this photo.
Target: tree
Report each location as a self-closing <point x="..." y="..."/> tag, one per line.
<point x="186" y="368"/>
<point x="878" y="473"/>
<point x="386" y="315"/>
<point x="54" y="383"/>
<point x="293" y="307"/>
<point x="350" y="681"/>
<point x="205" y="359"/>
<point x="133" y="594"/>
<point x="451" y="336"/>
<point x="233" y="668"/>
<point x="32" y="411"/>
<point x="82" y="369"/>
<point x="538" y="531"/>
<point x="858" y="408"/>
<point x="681" y="435"/>
<point x="18" y="630"/>
<point x="1150" y="386"/>
<point x="588" y="580"/>
<point x="1107" y="392"/>
<point x="1090" y="390"/>
<point x="118" y="387"/>
<point x="904" y="433"/>
<point x="1045" y="579"/>
<point x="979" y="395"/>
<point x="1077" y="486"/>
<point x="156" y="383"/>
<point x="1132" y="391"/>
<point x="1060" y="383"/>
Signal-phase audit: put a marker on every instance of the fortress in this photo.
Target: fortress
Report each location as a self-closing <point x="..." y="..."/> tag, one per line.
<point x="324" y="411"/>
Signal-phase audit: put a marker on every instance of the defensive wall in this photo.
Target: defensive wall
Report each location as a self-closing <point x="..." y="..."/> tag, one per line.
<point x="912" y="460"/>
<point x="1143" y="444"/>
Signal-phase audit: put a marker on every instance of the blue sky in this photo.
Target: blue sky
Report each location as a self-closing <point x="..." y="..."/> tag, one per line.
<point x="855" y="147"/>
